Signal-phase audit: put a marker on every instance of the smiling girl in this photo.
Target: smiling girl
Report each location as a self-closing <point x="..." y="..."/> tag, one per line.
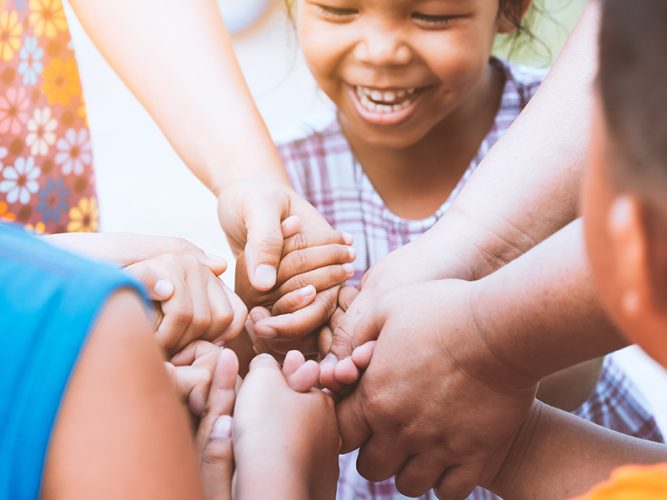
<point x="419" y="100"/>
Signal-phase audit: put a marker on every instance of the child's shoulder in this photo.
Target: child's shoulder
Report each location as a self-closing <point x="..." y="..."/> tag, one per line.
<point x="521" y="81"/>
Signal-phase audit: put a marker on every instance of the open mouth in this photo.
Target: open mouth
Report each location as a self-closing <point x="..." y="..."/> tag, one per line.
<point x="385" y="106"/>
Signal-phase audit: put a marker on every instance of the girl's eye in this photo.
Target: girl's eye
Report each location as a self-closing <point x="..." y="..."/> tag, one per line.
<point x="434" y="21"/>
<point x="335" y="12"/>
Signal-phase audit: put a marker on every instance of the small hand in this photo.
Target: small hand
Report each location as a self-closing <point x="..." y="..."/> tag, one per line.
<point x="289" y="439"/>
<point x="191" y="300"/>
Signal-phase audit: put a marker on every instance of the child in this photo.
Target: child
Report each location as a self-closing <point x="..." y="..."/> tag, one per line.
<point x="419" y="101"/>
<point x="555" y="455"/>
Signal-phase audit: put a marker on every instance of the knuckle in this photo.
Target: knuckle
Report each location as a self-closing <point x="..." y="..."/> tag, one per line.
<point x="182" y="315"/>
<point x="299" y="242"/>
<point x="301" y="261"/>
<point x="200" y="322"/>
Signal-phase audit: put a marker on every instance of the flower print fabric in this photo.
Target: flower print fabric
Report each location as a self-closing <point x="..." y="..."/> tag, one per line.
<point x="46" y="163"/>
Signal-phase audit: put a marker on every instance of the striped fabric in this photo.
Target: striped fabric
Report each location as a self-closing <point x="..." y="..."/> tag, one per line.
<point x="323" y="169"/>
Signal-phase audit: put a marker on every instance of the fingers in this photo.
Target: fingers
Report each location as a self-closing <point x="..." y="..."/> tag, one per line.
<point x="291" y="226"/>
<point x="305" y="377"/>
<point x="158" y="287"/>
<point x="456" y="482"/>
<point x="303" y="241"/>
<point x="361" y="323"/>
<point x="420" y="473"/>
<point x="215" y="429"/>
<point x="239" y="316"/>
<point x="217" y="461"/>
<point x="309" y="259"/>
<point x="293" y="361"/>
<point x="362" y="354"/>
<point x="379" y="458"/>
<point x="301" y="322"/>
<point x="295" y="300"/>
<point x="322" y="279"/>
<point x="264" y="244"/>
<point x="217" y="265"/>
<point x="346" y="372"/>
<point x="354" y="429"/>
<point x="186" y="378"/>
<point x="200" y="355"/>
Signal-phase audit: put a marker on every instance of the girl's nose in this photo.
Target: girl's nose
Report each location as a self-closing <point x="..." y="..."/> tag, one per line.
<point x="383" y="49"/>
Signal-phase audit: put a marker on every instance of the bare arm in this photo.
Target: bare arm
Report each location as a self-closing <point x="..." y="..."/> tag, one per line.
<point x="108" y="441"/>
<point x="177" y="59"/>
<point x="540" y="313"/>
<point x="557" y="455"/>
<point x="528" y="186"/>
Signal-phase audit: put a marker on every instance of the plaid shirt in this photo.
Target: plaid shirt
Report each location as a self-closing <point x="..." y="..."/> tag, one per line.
<point x="323" y="169"/>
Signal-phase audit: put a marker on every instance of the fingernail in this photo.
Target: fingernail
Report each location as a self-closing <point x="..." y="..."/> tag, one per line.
<point x="163" y="288"/>
<point x="307" y="290"/>
<point x="352" y="253"/>
<point x="222" y="428"/>
<point x="348" y="239"/>
<point x="265" y="276"/>
<point x="330" y="359"/>
<point x="265" y="332"/>
<point x="349" y="269"/>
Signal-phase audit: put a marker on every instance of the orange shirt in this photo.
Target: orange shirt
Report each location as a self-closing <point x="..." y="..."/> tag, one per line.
<point x="632" y="482"/>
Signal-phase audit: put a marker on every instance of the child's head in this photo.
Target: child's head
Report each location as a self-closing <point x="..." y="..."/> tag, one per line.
<point x="625" y="202"/>
<point x="397" y="68"/>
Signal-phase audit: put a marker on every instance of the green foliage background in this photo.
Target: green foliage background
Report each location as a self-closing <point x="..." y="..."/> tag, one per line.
<point x="551" y="22"/>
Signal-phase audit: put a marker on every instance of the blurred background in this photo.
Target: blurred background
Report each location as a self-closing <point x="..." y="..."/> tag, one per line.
<point x="144" y="187"/>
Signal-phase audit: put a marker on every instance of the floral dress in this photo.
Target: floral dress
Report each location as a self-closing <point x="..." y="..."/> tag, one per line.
<point x="46" y="170"/>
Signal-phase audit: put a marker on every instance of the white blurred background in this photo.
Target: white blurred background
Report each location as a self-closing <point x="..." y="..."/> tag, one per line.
<point x="144" y="187"/>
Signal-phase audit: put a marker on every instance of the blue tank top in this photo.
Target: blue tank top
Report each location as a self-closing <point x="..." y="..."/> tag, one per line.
<point x="49" y="300"/>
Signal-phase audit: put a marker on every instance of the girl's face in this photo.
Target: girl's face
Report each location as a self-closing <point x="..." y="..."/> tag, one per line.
<point x="397" y="68"/>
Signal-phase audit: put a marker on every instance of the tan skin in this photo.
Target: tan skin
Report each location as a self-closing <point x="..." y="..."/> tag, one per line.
<point x="397" y="46"/>
<point x="571" y="455"/>
<point x="110" y="379"/>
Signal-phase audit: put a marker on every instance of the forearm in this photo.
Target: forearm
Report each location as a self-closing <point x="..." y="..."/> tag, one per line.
<point x="540" y="313"/>
<point x="528" y="185"/>
<point x="123" y="249"/>
<point x="183" y="71"/>
<point x="557" y="455"/>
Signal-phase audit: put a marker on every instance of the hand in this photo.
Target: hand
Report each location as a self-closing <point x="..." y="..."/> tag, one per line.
<point x="310" y="262"/>
<point x="251" y="212"/>
<point x="418" y="261"/>
<point x="191" y="301"/>
<point x="285" y="442"/>
<point x="435" y="407"/>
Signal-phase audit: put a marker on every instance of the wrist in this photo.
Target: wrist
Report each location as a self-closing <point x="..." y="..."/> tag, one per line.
<point x="478" y="350"/>
<point x="222" y="180"/>
<point x="510" y="469"/>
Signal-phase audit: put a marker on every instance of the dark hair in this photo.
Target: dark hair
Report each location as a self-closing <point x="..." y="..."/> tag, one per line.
<point x="511" y="8"/>
<point x="632" y="82"/>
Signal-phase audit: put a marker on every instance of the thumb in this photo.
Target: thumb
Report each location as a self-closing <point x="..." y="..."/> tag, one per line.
<point x="158" y="288"/>
<point x="264" y="244"/>
<point x="362" y="323"/>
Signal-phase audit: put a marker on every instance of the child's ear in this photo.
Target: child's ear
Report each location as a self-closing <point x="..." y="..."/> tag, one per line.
<point x="511" y="15"/>
<point x="629" y="238"/>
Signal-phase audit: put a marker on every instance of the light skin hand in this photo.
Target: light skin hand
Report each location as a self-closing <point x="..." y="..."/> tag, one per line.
<point x="191" y="300"/>
<point x="321" y="260"/>
<point x="288" y="438"/>
<point x="391" y="411"/>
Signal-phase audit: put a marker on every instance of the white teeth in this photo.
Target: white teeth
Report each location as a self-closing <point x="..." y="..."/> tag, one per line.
<point x="366" y="99"/>
<point x="386" y="97"/>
